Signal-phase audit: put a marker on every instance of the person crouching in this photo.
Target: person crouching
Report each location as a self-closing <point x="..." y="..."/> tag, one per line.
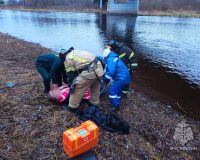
<point x="119" y="73"/>
<point x="83" y="71"/>
<point x="51" y="68"/>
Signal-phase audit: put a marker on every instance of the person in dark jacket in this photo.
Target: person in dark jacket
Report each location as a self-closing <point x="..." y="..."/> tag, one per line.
<point x="127" y="56"/>
<point x="118" y="73"/>
<point x="51" y="68"/>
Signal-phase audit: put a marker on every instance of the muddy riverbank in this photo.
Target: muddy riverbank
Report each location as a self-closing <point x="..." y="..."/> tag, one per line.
<point x="31" y="127"/>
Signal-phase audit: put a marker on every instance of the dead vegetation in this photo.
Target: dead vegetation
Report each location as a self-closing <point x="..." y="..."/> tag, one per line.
<point x="31" y="127"/>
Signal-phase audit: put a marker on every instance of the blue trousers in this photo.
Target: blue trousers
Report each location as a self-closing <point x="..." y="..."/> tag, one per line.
<point x="115" y="92"/>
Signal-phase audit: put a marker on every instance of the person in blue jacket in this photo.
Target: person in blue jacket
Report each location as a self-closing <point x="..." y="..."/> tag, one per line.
<point x="129" y="58"/>
<point x="51" y="67"/>
<point x="116" y="71"/>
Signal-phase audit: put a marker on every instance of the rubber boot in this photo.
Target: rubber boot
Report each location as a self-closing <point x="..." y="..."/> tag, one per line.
<point x="73" y="110"/>
<point x="114" y="108"/>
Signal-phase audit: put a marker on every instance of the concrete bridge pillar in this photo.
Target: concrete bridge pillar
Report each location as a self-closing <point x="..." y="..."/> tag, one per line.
<point x="123" y="6"/>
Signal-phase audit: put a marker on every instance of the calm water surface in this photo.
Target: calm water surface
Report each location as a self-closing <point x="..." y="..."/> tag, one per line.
<point x="171" y="43"/>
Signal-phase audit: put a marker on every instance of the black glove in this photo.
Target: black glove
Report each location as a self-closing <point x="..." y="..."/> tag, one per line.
<point x="69" y="50"/>
<point x="106" y="79"/>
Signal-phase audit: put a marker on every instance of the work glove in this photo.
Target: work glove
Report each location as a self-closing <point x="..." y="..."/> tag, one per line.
<point x="69" y="50"/>
<point x="106" y="80"/>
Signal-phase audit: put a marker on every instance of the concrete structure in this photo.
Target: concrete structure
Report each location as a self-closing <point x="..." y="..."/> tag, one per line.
<point x="118" y="27"/>
<point x="123" y="6"/>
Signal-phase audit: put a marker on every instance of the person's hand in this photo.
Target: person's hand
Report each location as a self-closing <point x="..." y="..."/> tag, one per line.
<point x="106" y="79"/>
<point x="64" y="86"/>
<point x="55" y="91"/>
<point x="54" y="86"/>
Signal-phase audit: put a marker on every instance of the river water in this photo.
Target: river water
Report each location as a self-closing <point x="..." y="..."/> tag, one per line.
<point x="168" y="47"/>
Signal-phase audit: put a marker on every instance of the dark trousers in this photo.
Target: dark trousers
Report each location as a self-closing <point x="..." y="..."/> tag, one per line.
<point x="126" y="89"/>
<point x="45" y="76"/>
<point x="45" y="73"/>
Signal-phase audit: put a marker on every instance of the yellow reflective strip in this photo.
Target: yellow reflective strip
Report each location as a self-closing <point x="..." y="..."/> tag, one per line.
<point x="95" y="133"/>
<point x="68" y="69"/>
<point x="81" y="60"/>
<point x="71" y="54"/>
<point x="132" y="54"/>
<point x="92" y="125"/>
<point x="76" y="58"/>
<point x="73" y="136"/>
<point x="122" y="55"/>
<point x="68" y="131"/>
<point x="88" y="122"/>
<point x="76" y="141"/>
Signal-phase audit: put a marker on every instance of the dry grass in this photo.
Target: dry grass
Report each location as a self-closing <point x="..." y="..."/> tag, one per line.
<point x="179" y="13"/>
<point x="31" y="127"/>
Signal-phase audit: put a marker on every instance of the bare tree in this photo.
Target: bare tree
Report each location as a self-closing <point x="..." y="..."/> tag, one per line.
<point x="1" y="2"/>
<point x="63" y="3"/>
<point x="82" y="4"/>
<point x="169" y="4"/>
<point x="35" y="2"/>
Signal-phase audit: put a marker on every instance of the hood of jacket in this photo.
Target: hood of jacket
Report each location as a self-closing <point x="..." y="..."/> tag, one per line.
<point x="112" y="54"/>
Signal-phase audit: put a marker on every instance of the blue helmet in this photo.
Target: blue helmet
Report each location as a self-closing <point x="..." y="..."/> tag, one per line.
<point x="63" y="51"/>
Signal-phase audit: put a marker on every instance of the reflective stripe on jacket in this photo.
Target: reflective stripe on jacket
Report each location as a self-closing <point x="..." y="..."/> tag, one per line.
<point x="77" y="60"/>
<point x="127" y="56"/>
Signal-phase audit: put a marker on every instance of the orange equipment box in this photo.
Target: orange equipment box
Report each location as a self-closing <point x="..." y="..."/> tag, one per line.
<point x="81" y="139"/>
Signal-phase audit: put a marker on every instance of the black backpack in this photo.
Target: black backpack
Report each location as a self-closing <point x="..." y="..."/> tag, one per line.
<point x="117" y="123"/>
<point x="111" y="121"/>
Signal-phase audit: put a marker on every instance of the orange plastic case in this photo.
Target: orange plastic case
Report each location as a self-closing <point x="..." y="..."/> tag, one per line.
<point x="81" y="139"/>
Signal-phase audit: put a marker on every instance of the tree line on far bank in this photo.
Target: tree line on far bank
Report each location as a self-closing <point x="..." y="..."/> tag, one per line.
<point x="165" y="5"/>
<point x="79" y="4"/>
<point x="161" y="5"/>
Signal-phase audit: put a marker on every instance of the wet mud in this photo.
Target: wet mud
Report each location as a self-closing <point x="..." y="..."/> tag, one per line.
<point x="171" y="88"/>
